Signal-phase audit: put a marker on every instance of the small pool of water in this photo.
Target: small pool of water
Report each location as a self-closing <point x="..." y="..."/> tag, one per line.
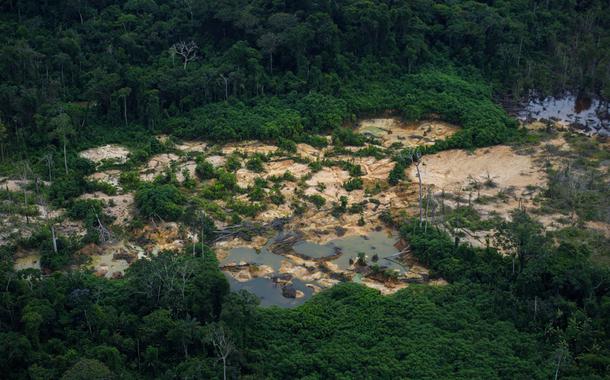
<point x="568" y="109"/>
<point x="375" y="243"/>
<point x="252" y="256"/>
<point x="313" y="250"/>
<point x="270" y="293"/>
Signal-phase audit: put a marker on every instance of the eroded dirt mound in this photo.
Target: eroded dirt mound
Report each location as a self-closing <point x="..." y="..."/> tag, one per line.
<point x="192" y="146"/>
<point x="110" y="177"/>
<point x="494" y="168"/>
<point x="249" y="147"/>
<point x="120" y="206"/>
<point x="217" y="161"/>
<point x="328" y="183"/>
<point x="113" y="153"/>
<point x="157" y="165"/>
<point x="391" y="130"/>
<point x="278" y="168"/>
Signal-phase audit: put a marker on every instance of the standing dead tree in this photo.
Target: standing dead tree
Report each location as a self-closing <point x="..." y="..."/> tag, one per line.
<point x="186" y="50"/>
<point x="223" y="346"/>
<point x="414" y="156"/>
<point x="103" y="232"/>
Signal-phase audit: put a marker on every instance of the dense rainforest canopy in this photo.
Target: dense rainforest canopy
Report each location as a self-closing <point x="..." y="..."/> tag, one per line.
<point x="72" y="66"/>
<point x="80" y="73"/>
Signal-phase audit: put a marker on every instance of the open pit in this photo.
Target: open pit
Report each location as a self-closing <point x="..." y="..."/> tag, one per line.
<point x="328" y="233"/>
<point x="393" y="131"/>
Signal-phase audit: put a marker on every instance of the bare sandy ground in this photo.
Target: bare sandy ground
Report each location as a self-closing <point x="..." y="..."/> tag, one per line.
<point x="192" y="146"/>
<point x="110" y="177"/>
<point x="455" y="170"/>
<point x="328" y="183"/>
<point x="114" y="153"/>
<point x="278" y="168"/>
<point x="157" y="165"/>
<point x="508" y="179"/>
<point x="248" y="147"/>
<point x="216" y="161"/>
<point x="120" y="206"/>
<point x="392" y="130"/>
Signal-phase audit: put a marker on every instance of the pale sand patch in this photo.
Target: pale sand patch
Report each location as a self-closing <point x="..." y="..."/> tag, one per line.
<point x="165" y="236"/>
<point x="121" y="206"/>
<point x="308" y="151"/>
<point x="188" y="167"/>
<point x="217" y="161"/>
<point x="111" y="152"/>
<point x="601" y="227"/>
<point x="110" y="177"/>
<point x="157" y="165"/>
<point x="331" y="179"/>
<point x="192" y="146"/>
<point x="26" y="260"/>
<point x="456" y="169"/>
<point x="274" y="212"/>
<point x="249" y="147"/>
<point x="392" y="130"/>
<point x="372" y="168"/>
<point x="245" y="177"/>
<point x="17" y="185"/>
<point x="278" y="168"/>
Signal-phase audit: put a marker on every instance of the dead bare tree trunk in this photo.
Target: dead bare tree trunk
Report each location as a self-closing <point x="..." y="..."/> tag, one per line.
<point x="103" y="232"/>
<point x="224" y="347"/>
<point x="226" y="84"/>
<point x="421" y="210"/>
<point x="125" y="111"/>
<point x="187" y="50"/>
<point x="427" y="207"/>
<point x="65" y="157"/>
<point x="54" y="238"/>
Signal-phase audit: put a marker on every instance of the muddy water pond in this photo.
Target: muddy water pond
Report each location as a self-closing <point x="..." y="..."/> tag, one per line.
<point x="270" y="293"/>
<point x="589" y="115"/>
<point x="377" y="246"/>
<point x="252" y="256"/>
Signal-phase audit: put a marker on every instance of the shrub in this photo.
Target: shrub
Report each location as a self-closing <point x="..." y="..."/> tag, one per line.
<point x="276" y="197"/>
<point x="228" y="180"/>
<point x="353" y="184"/>
<point x="255" y="164"/>
<point x="397" y="174"/>
<point x="130" y="180"/>
<point x="205" y="170"/>
<point x="317" y="200"/>
<point x="233" y="163"/>
<point x="287" y="145"/>
<point x="163" y="201"/>
<point x="346" y="136"/>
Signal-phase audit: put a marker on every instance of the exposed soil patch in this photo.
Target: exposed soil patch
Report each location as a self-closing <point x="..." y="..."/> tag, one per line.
<point x="111" y="153"/>
<point x="456" y="170"/>
<point x="121" y="206"/>
<point x="216" y="161"/>
<point x="157" y="165"/>
<point x="328" y="183"/>
<point x="192" y="146"/>
<point x="391" y="130"/>
<point x="110" y="177"/>
<point x="249" y="147"/>
<point x="278" y="168"/>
